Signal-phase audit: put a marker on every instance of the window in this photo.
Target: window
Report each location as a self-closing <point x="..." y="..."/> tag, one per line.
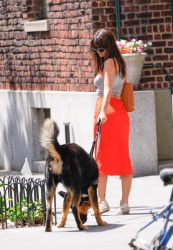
<point x="36" y="10"/>
<point x="43" y="12"/>
<point x="37" y="14"/>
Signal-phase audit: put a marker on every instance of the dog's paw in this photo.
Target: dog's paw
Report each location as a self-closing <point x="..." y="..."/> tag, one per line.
<point x="61" y="223"/>
<point x="61" y="193"/>
<point x="48" y="230"/>
<point x="83" y="227"/>
<point x="103" y="223"/>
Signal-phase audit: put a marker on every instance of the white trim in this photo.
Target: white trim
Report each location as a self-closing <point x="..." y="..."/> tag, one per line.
<point x="34" y="26"/>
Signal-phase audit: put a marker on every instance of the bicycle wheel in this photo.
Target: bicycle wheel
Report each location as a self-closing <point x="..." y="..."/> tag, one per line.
<point x="155" y="242"/>
<point x="138" y="244"/>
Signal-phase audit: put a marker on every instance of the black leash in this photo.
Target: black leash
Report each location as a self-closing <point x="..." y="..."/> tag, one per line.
<point x="98" y="132"/>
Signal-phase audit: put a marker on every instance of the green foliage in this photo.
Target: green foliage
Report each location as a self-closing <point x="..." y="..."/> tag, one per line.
<point x="27" y="211"/>
<point x="2" y="202"/>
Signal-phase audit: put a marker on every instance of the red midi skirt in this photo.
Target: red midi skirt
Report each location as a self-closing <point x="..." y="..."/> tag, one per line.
<point x="113" y="152"/>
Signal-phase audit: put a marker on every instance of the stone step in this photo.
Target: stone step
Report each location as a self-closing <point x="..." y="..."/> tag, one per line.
<point x="165" y="164"/>
<point x="4" y="173"/>
<point x="38" y="166"/>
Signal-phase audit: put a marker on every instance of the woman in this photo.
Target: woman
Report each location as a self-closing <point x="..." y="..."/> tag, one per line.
<point x="113" y="153"/>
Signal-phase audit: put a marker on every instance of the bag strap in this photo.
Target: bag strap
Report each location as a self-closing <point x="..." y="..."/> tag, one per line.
<point x="98" y="133"/>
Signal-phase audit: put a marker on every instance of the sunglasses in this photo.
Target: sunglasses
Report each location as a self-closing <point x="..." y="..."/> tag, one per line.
<point x="94" y="49"/>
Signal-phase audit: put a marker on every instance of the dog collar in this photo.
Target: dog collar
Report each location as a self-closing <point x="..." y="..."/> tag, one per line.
<point x="84" y="195"/>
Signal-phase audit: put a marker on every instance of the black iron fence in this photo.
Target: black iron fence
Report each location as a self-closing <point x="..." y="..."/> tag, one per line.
<point x="22" y="202"/>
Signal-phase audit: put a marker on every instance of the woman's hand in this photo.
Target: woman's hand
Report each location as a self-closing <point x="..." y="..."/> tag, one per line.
<point x="102" y="116"/>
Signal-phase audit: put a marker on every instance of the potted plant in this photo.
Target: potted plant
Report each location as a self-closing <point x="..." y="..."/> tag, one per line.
<point x="134" y="56"/>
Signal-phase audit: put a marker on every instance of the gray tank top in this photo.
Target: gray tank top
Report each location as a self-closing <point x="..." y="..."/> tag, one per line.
<point x="117" y="85"/>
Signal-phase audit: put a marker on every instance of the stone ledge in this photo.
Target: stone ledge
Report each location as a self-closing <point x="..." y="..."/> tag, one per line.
<point x="35" y="26"/>
<point x="38" y="166"/>
<point x="165" y="164"/>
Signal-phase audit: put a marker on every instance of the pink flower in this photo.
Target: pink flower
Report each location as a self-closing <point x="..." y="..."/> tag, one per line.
<point x="134" y="46"/>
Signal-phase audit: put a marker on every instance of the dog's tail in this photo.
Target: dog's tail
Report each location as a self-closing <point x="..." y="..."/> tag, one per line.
<point x="48" y="137"/>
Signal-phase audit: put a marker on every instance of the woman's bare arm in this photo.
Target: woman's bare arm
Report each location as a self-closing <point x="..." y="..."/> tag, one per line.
<point x="109" y="72"/>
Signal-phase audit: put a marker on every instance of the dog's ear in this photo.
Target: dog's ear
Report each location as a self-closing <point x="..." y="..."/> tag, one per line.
<point x="61" y="193"/>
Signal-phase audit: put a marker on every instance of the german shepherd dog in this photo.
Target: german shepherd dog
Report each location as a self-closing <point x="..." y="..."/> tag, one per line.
<point x="72" y="166"/>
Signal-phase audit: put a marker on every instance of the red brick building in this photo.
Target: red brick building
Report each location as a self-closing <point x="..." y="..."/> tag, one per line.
<point x="59" y="59"/>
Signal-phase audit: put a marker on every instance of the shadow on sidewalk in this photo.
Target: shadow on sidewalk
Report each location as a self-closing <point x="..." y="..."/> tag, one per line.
<point x="96" y="228"/>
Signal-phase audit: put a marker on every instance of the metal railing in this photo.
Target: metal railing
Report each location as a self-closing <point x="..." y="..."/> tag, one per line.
<point x="22" y="202"/>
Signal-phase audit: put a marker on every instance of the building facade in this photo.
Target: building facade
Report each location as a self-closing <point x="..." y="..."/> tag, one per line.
<point x="58" y="58"/>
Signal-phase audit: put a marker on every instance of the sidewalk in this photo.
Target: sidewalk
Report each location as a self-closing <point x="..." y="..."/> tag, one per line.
<point x="148" y="193"/>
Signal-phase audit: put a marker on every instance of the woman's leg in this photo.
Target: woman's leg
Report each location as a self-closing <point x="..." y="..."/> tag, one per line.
<point x="126" y="182"/>
<point x="103" y="205"/>
<point x="102" y="187"/>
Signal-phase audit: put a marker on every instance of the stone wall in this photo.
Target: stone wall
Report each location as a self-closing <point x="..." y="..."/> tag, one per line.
<point x="23" y="112"/>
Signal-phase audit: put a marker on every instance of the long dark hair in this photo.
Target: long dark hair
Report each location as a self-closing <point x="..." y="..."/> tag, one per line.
<point x="106" y="39"/>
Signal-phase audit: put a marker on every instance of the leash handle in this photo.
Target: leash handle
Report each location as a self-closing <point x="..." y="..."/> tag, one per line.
<point x="98" y="131"/>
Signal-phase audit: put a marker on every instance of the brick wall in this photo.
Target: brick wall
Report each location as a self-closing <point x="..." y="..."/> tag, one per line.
<point x="54" y="60"/>
<point x="59" y="59"/>
<point x="150" y="20"/>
